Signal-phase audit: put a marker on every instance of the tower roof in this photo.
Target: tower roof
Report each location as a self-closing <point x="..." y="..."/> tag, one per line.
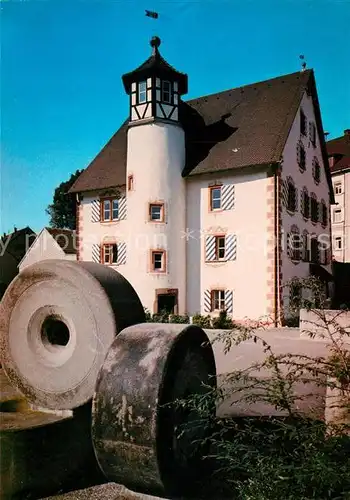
<point x="155" y="65"/>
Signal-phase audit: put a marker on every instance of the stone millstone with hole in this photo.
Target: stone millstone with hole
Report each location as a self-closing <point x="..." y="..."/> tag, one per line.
<point x="140" y="438"/>
<point x="57" y="321"/>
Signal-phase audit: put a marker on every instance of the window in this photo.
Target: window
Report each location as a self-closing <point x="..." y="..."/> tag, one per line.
<point x="295" y="295"/>
<point x="142" y="96"/>
<point x="306" y="249"/>
<point x="156" y="212"/>
<point x="303" y="122"/>
<point x="220" y="247"/>
<point x="301" y="156"/>
<point x="110" y="209"/>
<point x="130" y="182"/>
<point x="337" y="215"/>
<point x="292" y="195"/>
<point x="316" y="170"/>
<point x="158" y="261"/>
<point x="314" y="208"/>
<point x="215" y="198"/>
<point x="166" y="91"/>
<point x="218" y="300"/>
<point x="338" y="188"/>
<point x="294" y="244"/>
<point x="338" y="243"/>
<point x="305" y="207"/>
<point x="110" y="254"/>
<point x="324" y="213"/>
<point x="313" y="134"/>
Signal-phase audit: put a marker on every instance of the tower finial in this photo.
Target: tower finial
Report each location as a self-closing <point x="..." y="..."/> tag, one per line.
<point x="303" y="65"/>
<point x="155" y="42"/>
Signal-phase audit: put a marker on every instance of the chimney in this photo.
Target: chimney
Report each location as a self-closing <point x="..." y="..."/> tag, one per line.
<point x="347" y="131"/>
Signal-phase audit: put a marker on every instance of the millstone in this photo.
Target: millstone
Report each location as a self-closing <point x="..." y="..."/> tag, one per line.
<point x="57" y="321"/>
<point x="137" y="432"/>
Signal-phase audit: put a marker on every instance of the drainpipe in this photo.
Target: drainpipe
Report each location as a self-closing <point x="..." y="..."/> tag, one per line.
<point x="277" y="243"/>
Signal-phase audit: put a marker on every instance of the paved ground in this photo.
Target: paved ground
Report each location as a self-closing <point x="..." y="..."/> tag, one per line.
<point x="109" y="491"/>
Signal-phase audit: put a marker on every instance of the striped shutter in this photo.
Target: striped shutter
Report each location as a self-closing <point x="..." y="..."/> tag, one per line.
<point x="207" y="301"/>
<point x="229" y="301"/>
<point x="228" y="196"/>
<point x="95" y="211"/>
<point x="96" y="252"/>
<point x="284" y="188"/>
<point x="121" y="254"/>
<point x="210" y="248"/>
<point x="122" y="207"/>
<point x="231" y="247"/>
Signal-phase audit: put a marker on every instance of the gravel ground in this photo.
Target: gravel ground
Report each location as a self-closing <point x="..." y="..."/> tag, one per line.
<point x="109" y="491"/>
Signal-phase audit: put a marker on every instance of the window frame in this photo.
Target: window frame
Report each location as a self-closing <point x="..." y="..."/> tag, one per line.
<point x="313" y="134"/>
<point x="218" y="248"/>
<point x="305" y="203"/>
<point x="111" y="200"/>
<point x="340" y="240"/>
<point x="336" y="185"/>
<point x="211" y="190"/>
<point x="163" y="92"/>
<point x="314" y="208"/>
<point x="291" y="188"/>
<point x="212" y="298"/>
<point x="340" y="211"/>
<point x="316" y="170"/>
<point x="110" y="261"/>
<point x="324" y="215"/>
<point x="130" y="182"/>
<point x="156" y="204"/>
<point x="141" y="92"/>
<point x="303" y="123"/>
<point x="163" y="261"/>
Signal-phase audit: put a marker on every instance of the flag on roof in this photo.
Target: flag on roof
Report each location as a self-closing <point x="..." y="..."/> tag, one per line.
<point x="150" y="13"/>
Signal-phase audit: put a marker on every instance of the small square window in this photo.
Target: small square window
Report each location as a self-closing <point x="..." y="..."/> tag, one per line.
<point x="338" y="243"/>
<point x="218" y="300"/>
<point x="338" y="188"/>
<point x="158" y="260"/>
<point x="110" y="254"/>
<point x="156" y="212"/>
<point x="220" y="247"/>
<point x="215" y="198"/>
<point x="142" y="96"/>
<point x="337" y="215"/>
<point x="166" y="91"/>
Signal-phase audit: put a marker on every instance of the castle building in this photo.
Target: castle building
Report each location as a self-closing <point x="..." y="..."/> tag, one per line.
<point x="212" y="203"/>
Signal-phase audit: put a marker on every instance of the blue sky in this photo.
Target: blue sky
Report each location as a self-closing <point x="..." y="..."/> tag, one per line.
<point x="62" y="61"/>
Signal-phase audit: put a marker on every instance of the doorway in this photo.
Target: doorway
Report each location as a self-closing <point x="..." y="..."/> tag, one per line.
<point x="166" y="303"/>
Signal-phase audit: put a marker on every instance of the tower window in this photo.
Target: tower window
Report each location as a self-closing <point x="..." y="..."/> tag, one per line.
<point x="166" y="91"/>
<point x="215" y="198"/>
<point x="337" y="215"/>
<point x="158" y="261"/>
<point x="130" y="182"/>
<point x="142" y="96"/>
<point x="338" y="188"/>
<point x="338" y="243"/>
<point x="156" y="212"/>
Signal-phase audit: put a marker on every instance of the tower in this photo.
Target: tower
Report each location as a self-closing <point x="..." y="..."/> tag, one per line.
<point x="156" y="191"/>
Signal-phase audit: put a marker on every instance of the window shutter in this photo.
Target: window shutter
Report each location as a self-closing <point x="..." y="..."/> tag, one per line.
<point x="289" y="236"/>
<point x="296" y="194"/>
<point x="302" y="202"/>
<point x="96" y="252"/>
<point x="231" y="247"/>
<point x="122" y="207"/>
<point x="229" y="301"/>
<point x="311" y="131"/>
<point x="210" y="248"/>
<point x="228" y="196"/>
<point x="95" y="211"/>
<point x="284" y="192"/>
<point x="121" y="254"/>
<point x="207" y="301"/>
<point x="298" y="153"/>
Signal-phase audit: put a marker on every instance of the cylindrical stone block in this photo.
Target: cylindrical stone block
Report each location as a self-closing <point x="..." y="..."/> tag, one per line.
<point x="57" y="321"/>
<point x="135" y="427"/>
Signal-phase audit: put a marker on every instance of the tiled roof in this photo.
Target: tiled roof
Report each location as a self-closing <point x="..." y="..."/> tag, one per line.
<point x="339" y="149"/>
<point x="241" y="127"/>
<point x="65" y="238"/>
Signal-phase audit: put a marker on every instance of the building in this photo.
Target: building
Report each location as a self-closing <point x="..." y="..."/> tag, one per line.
<point x="188" y="198"/>
<point x="50" y="244"/>
<point x="339" y="162"/>
<point x="13" y="247"/>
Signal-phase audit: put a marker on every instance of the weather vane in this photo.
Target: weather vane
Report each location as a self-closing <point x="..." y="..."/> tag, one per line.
<point x="303" y="65"/>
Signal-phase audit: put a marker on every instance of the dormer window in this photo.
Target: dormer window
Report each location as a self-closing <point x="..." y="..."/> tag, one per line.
<point x="166" y="91"/>
<point x="142" y="94"/>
